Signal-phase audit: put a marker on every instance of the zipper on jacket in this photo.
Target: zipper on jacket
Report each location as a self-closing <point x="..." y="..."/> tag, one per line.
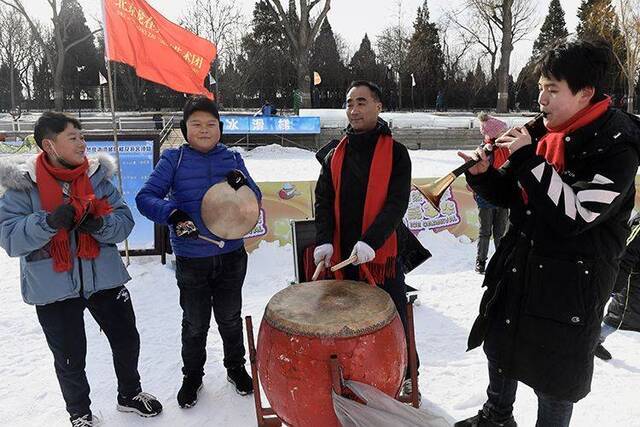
<point x="75" y="233"/>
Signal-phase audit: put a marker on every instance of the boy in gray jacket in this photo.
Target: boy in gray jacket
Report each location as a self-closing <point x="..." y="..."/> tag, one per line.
<point x="63" y="217"/>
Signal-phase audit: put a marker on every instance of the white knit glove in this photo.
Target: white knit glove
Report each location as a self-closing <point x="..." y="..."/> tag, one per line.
<point x="364" y="252"/>
<point x="323" y="253"/>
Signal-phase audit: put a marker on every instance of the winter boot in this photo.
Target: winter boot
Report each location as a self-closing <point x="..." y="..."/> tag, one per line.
<point x="188" y="394"/>
<point x="239" y="378"/>
<point x="142" y="404"/>
<point x="602" y="353"/>
<point x="481" y="420"/>
<point x="480" y="264"/>
<point x="86" y="420"/>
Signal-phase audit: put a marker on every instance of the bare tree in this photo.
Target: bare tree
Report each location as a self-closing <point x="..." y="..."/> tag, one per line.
<point x="301" y="35"/>
<point x="220" y="21"/>
<point x="503" y="24"/>
<point x="344" y="49"/>
<point x="55" y="55"/>
<point x="478" y="30"/>
<point x="15" y="46"/>
<point x="393" y="45"/>
<point x="628" y="12"/>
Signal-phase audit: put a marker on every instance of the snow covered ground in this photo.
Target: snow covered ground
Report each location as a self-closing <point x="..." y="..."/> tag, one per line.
<point x="452" y="381"/>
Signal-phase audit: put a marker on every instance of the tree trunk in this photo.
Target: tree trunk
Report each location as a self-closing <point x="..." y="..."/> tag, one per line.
<point x="502" y="105"/>
<point x="631" y="88"/>
<point x="12" y="85"/>
<point x="399" y="91"/>
<point x="58" y="90"/>
<point x="304" y="81"/>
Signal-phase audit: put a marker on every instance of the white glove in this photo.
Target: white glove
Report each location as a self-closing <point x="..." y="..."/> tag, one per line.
<point x="323" y="253"/>
<point x="364" y="252"/>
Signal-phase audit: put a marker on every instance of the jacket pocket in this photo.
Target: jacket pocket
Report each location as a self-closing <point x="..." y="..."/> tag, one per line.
<point x="556" y="289"/>
<point x="108" y="269"/>
<point x="42" y="285"/>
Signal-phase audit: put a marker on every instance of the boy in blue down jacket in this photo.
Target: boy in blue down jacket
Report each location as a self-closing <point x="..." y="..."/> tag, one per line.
<point x="63" y="217"/>
<point x="208" y="276"/>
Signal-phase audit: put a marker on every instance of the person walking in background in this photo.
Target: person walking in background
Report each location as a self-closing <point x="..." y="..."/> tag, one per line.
<point x="493" y="219"/>
<point x="624" y="309"/>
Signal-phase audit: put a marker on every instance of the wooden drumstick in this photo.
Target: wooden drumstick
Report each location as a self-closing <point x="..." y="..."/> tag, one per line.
<point x="319" y="269"/>
<point x="350" y="260"/>
<point x="218" y="243"/>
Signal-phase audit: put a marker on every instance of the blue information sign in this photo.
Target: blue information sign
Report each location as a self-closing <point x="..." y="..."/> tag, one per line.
<point x="136" y="164"/>
<point x="270" y="125"/>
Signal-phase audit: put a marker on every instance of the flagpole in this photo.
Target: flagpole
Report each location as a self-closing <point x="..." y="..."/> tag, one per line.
<point x="117" y="148"/>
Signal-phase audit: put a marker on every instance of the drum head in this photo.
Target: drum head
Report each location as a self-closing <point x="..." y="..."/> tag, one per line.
<point x="229" y="213"/>
<point x="330" y="308"/>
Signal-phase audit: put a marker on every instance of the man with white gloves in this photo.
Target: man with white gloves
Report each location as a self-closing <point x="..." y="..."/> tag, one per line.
<point x="362" y="194"/>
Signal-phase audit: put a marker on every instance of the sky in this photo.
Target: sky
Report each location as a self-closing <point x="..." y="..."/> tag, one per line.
<point x="349" y="18"/>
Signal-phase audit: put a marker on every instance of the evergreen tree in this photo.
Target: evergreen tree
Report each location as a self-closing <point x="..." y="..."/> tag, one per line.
<point x="269" y="71"/>
<point x="42" y="86"/>
<point x="598" y="22"/>
<point x="553" y="29"/>
<point x="426" y="60"/>
<point x="363" y="64"/>
<point x="5" y="92"/>
<point x="325" y="59"/>
<point x="83" y="56"/>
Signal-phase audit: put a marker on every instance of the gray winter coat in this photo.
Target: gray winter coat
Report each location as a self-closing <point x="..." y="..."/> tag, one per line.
<point x="25" y="233"/>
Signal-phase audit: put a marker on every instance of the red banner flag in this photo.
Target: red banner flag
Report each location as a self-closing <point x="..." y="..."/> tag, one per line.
<point x="158" y="49"/>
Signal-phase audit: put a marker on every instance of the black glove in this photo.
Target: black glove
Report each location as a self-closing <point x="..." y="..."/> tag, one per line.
<point x="91" y="224"/>
<point x="236" y="179"/>
<point x="61" y="217"/>
<point x="183" y="225"/>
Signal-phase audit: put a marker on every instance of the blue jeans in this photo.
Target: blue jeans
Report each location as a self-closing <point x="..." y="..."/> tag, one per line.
<point x="206" y="284"/>
<point x="501" y="394"/>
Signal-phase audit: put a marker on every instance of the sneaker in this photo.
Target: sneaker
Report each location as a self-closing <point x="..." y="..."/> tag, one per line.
<point x="480" y="265"/>
<point x="239" y="378"/>
<point x="86" y="420"/>
<point x="142" y="404"/>
<point x="188" y="394"/>
<point x="602" y="353"/>
<point x="481" y="420"/>
<point x="405" y="390"/>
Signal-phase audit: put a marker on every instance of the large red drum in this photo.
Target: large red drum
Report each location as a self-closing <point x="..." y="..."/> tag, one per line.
<point x="305" y="324"/>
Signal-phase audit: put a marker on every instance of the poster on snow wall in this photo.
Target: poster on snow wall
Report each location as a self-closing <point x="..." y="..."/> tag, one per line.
<point x="136" y="164"/>
<point x="284" y="201"/>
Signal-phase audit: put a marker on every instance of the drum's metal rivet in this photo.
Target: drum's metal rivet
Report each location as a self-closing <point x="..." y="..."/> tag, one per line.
<point x="586" y="272"/>
<point x="507" y="321"/>
<point x="514" y="269"/>
<point x="575" y="319"/>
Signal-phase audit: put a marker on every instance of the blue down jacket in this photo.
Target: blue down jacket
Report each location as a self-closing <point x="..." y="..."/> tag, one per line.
<point x="24" y="233"/>
<point x="179" y="181"/>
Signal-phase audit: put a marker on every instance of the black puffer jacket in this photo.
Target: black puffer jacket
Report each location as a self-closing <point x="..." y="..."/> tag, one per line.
<point x="552" y="274"/>
<point x="626" y="296"/>
<point x="355" y="178"/>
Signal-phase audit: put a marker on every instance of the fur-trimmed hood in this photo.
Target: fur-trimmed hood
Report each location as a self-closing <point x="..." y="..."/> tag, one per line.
<point x="19" y="172"/>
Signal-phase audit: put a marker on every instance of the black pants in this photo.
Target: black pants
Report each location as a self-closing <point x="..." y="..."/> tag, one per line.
<point x="397" y="290"/>
<point x="211" y="283"/>
<point x="492" y="221"/>
<point x="63" y="326"/>
<point x="501" y="393"/>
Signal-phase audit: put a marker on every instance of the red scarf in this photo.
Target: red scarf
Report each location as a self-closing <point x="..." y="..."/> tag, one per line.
<point x="81" y="197"/>
<point x="551" y="146"/>
<point x="384" y="264"/>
